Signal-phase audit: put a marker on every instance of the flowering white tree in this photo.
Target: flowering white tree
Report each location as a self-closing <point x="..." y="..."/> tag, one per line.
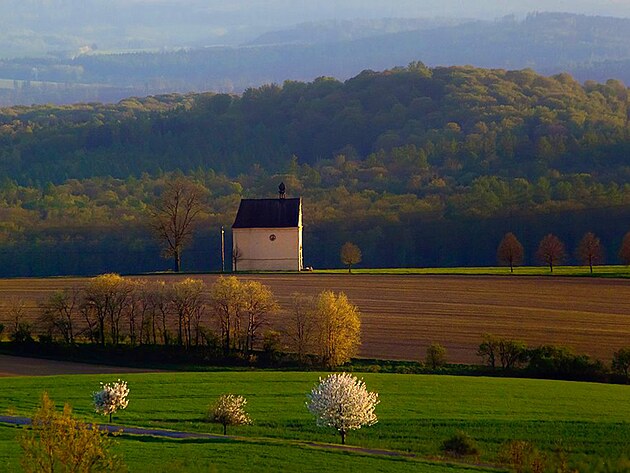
<point x="229" y="409"/>
<point x="342" y="401"/>
<point x="111" y="398"/>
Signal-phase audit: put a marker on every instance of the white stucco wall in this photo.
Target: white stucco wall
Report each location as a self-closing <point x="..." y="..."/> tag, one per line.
<point x="259" y="252"/>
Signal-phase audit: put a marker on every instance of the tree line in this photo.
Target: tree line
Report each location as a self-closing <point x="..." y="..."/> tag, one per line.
<point x="552" y="252"/>
<point x="551" y="361"/>
<point x="232" y="316"/>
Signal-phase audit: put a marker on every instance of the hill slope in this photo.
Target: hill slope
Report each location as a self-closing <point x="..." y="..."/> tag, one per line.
<point x="463" y="121"/>
<point x="585" y="423"/>
<point x="438" y="162"/>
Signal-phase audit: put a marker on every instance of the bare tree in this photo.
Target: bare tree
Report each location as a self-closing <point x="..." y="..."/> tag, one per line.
<point x="489" y="349"/>
<point x="241" y="309"/>
<point x="301" y="324"/>
<point x="159" y="301"/>
<point x="136" y="311"/>
<point x="59" y="311"/>
<point x="175" y="215"/>
<point x="258" y="303"/>
<point x="510" y="251"/>
<point x="16" y="311"/>
<point x="92" y="323"/>
<point x="15" y="308"/>
<point x="226" y="303"/>
<point x="237" y="255"/>
<point x="106" y="298"/>
<point x="550" y="251"/>
<point x="590" y="250"/>
<point x="350" y="255"/>
<point x="189" y="306"/>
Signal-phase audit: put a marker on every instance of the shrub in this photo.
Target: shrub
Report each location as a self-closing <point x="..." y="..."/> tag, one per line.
<point x="404" y="369"/>
<point x="509" y="353"/>
<point x="23" y="333"/>
<point x="560" y="362"/>
<point x="46" y="339"/>
<point x="460" y="445"/>
<point x="489" y="349"/>
<point x="512" y="353"/>
<point x="271" y="346"/>
<point x="58" y="442"/>
<point x="621" y="362"/>
<point x="212" y="342"/>
<point x="523" y="457"/>
<point x="436" y="356"/>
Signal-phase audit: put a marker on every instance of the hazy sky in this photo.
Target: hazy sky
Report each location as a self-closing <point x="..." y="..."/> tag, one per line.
<point x="37" y="26"/>
<point x="459" y="8"/>
<point x="307" y="9"/>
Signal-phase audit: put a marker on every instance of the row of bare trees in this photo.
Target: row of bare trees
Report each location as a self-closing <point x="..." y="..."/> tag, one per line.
<point x="111" y="309"/>
<point x="551" y="251"/>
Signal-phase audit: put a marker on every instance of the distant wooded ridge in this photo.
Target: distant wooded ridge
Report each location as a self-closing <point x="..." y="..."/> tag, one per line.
<point x="588" y="47"/>
<point x="418" y="166"/>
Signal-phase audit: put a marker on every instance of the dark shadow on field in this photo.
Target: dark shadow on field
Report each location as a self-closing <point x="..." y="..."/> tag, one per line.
<point x="145" y="438"/>
<point x="168" y="420"/>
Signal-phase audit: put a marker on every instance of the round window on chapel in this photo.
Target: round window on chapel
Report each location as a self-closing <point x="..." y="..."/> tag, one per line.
<point x="272" y="237"/>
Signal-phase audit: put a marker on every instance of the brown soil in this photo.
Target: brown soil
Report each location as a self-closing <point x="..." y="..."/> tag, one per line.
<point x="402" y="315"/>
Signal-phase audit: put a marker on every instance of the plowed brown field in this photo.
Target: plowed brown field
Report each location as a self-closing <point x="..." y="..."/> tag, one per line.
<point x="403" y="314"/>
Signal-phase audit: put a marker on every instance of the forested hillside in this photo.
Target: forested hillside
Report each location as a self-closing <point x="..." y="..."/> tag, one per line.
<point x="436" y="162"/>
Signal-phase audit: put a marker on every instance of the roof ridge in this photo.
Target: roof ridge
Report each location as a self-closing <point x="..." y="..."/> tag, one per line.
<point x="269" y="213"/>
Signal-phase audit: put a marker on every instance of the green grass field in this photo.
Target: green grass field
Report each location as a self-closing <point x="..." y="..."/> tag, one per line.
<point x="588" y="421"/>
<point x="173" y="455"/>
<point x="608" y="271"/>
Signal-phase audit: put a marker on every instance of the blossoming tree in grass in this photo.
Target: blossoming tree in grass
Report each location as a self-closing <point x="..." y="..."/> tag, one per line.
<point x="229" y="409"/>
<point x="111" y="398"/>
<point x="342" y="401"/>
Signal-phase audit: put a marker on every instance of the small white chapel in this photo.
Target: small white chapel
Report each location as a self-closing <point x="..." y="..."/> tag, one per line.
<point x="267" y="234"/>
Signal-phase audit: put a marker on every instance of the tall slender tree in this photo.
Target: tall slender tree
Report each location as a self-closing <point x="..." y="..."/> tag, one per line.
<point x="510" y="251"/>
<point x="226" y="301"/>
<point x="301" y="324"/>
<point x="257" y="305"/>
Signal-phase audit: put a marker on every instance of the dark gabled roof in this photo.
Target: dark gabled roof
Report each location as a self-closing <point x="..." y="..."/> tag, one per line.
<point x="268" y="213"/>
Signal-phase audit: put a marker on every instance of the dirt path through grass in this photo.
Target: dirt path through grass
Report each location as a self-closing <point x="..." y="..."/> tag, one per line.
<point x="16" y="420"/>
